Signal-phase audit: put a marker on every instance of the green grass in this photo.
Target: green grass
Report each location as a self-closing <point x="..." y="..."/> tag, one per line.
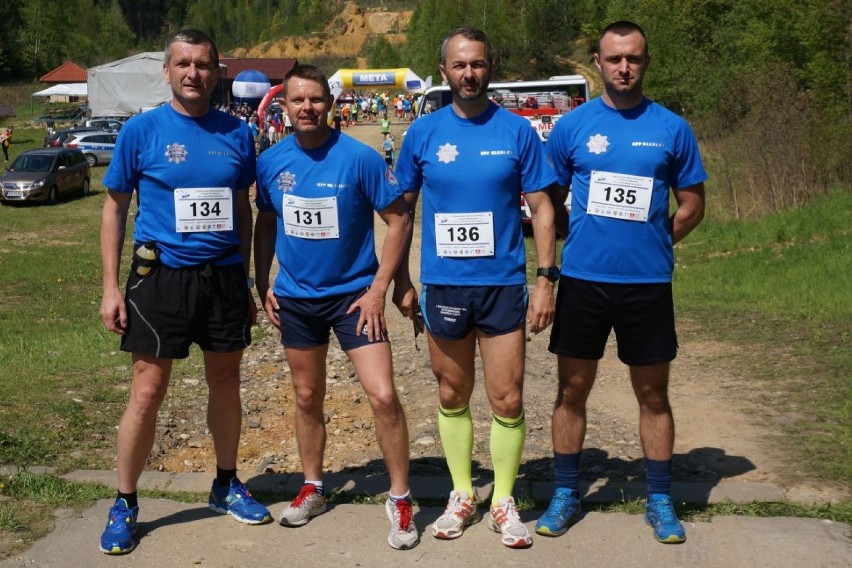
<point x="27" y="502"/>
<point x="780" y="289"/>
<point x="57" y="363"/>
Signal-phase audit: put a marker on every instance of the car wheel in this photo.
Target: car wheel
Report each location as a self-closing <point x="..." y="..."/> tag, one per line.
<point x="86" y="190"/>
<point x="53" y="196"/>
<point x="92" y="159"/>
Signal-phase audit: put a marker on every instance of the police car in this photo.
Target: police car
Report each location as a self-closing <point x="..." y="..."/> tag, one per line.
<point x="96" y="146"/>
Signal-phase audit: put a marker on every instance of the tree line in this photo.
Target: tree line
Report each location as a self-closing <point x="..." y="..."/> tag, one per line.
<point x="767" y="84"/>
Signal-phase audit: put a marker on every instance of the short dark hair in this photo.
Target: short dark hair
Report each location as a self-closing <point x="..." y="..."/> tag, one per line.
<point x="192" y="37"/>
<point x="622" y="28"/>
<point x="473" y="34"/>
<point x="311" y="73"/>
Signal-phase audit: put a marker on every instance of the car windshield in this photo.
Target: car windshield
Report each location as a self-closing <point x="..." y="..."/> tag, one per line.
<point x="32" y="163"/>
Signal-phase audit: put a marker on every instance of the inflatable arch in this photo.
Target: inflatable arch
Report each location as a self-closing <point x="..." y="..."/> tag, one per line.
<point x="361" y="79"/>
<point x="402" y="78"/>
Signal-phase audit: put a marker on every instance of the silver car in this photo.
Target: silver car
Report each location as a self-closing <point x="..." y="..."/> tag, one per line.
<point x="44" y="175"/>
<point x="96" y="146"/>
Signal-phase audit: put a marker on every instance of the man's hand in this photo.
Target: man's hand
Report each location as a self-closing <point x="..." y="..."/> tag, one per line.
<point x="542" y="306"/>
<point x="114" y="312"/>
<point x="405" y="299"/>
<point x="372" y="315"/>
<point x="271" y="307"/>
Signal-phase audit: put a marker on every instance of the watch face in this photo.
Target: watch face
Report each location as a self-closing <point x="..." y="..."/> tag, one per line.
<point x="551" y="273"/>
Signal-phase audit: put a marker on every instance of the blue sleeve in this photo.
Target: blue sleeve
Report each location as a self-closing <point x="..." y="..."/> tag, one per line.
<point x="687" y="168"/>
<point x="558" y="152"/>
<point x="378" y="184"/>
<point x="249" y="172"/>
<point x="409" y="174"/>
<point x="122" y="173"/>
<point x="263" y="199"/>
<point x="537" y="174"/>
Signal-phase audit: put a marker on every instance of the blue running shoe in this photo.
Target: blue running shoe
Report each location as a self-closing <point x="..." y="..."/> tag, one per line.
<point x="238" y="502"/>
<point x="660" y="514"/>
<point x="563" y="512"/>
<point x="120" y="529"/>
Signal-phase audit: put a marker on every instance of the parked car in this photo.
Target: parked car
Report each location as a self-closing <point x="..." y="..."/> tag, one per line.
<point x="105" y="123"/>
<point x="96" y="146"/>
<point x="58" y="138"/>
<point x="45" y="174"/>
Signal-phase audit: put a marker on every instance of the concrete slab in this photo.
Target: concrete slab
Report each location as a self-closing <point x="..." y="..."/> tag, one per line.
<point x="180" y="534"/>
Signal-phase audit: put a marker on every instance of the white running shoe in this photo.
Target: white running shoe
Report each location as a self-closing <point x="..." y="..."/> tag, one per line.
<point x="504" y="519"/>
<point x="307" y="504"/>
<point x="460" y="513"/>
<point x="403" y="534"/>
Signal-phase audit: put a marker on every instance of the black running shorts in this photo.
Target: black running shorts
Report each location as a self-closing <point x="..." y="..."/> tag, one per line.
<point x="642" y="316"/>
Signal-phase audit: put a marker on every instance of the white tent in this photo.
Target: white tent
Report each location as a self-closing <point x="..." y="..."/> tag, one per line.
<point x="64" y="90"/>
<point x="128" y="85"/>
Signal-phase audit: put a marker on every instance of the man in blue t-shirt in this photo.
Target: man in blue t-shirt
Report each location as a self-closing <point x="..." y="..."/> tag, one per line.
<point x="190" y="166"/>
<point x="622" y="155"/>
<point x="317" y="192"/>
<point x="471" y="160"/>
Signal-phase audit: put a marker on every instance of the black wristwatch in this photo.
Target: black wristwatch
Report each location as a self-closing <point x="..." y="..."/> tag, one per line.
<point x="551" y="273"/>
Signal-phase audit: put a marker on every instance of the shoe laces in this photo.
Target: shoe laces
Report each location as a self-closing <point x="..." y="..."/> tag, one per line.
<point x="559" y="502"/>
<point x="306" y="491"/>
<point x="455" y="506"/>
<point x="664" y="510"/>
<point x="402" y="513"/>
<point x="510" y="513"/>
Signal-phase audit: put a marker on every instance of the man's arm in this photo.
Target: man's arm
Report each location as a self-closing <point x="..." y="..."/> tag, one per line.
<point x="558" y="195"/>
<point x="244" y="229"/>
<point x="404" y="293"/>
<point x="397" y="241"/>
<point x="541" y="309"/>
<point x="689" y="212"/>
<point x="265" y="231"/>
<point x="113" y="225"/>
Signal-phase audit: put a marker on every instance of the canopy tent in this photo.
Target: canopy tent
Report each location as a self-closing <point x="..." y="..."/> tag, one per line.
<point x="64" y="89"/>
<point x="61" y="92"/>
<point x="128" y="85"/>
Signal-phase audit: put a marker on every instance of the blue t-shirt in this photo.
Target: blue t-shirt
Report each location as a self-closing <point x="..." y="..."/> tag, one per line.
<point x="162" y="150"/>
<point x="595" y="145"/>
<point x="344" y="179"/>
<point x="480" y="166"/>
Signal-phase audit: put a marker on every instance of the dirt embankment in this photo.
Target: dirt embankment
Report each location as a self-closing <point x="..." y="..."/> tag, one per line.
<point x="344" y="36"/>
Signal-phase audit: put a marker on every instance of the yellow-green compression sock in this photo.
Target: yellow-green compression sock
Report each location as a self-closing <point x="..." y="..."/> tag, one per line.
<point x="456" y="429"/>
<point x="507" y="445"/>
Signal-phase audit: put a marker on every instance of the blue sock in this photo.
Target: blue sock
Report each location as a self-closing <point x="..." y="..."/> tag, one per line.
<point x="567" y="470"/>
<point x="224" y="476"/>
<point x="659" y="474"/>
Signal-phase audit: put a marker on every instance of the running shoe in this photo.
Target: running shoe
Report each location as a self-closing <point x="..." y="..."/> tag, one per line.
<point x="308" y="503"/>
<point x="504" y="519"/>
<point x="118" y="535"/>
<point x="563" y="512"/>
<point x="660" y="514"/>
<point x="460" y="513"/>
<point x="403" y="534"/>
<point x="236" y="500"/>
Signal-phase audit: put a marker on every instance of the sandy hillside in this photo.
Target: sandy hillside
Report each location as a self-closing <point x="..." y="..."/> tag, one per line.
<point x="344" y="36"/>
